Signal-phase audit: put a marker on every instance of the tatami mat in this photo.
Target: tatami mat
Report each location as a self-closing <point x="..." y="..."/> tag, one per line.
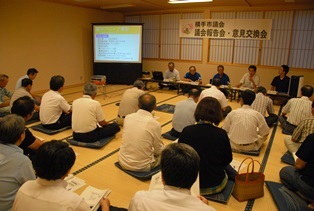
<point x="96" y="166"/>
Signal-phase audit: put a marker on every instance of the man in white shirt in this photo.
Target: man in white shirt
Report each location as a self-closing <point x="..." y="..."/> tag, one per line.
<point x="184" y="113"/>
<point x="48" y="192"/>
<point x="129" y="101"/>
<point x="179" y="170"/>
<point x="87" y="114"/>
<point x="250" y="79"/>
<point x="24" y="90"/>
<point x="141" y="138"/>
<point x="246" y="128"/>
<point x="55" y="112"/>
<point x="298" y="109"/>
<point x="31" y="74"/>
<point x="262" y="103"/>
<point x="171" y="74"/>
<point x="219" y="95"/>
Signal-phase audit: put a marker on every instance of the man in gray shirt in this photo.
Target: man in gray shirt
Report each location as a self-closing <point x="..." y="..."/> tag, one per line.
<point x="184" y="113"/>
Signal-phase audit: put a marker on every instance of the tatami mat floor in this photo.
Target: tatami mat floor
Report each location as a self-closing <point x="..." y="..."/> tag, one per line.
<point x="104" y="174"/>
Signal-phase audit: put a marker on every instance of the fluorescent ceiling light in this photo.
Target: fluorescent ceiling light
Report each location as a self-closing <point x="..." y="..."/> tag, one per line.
<point x="116" y="6"/>
<point x="187" y="1"/>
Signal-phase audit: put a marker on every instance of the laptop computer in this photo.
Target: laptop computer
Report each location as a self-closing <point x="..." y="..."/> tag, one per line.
<point x="157" y="75"/>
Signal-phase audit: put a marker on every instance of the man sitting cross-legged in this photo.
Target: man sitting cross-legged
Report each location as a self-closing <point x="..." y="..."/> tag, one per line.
<point x="15" y="168"/>
<point x="262" y="103"/>
<point x="129" y="101"/>
<point x="184" y="113"/>
<point x="246" y="128"/>
<point x="24" y="107"/>
<point x="215" y="92"/>
<point x="55" y="111"/>
<point x="87" y="114"/>
<point x="298" y="110"/>
<point x="141" y="138"/>
<point x="48" y="192"/>
<point x="179" y="170"/>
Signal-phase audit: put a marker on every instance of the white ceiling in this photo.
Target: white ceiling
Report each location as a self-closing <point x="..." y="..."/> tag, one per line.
<point x="131" y="6"/>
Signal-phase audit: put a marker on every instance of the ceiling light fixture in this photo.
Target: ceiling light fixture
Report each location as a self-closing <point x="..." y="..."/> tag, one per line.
<point x="116" y="6"/>
<point x="187" y="1"/>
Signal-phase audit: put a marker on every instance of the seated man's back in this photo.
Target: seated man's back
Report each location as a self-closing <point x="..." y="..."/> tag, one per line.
<point x="179" y="170"/>
<point x="141" y="138"/>
<point x="129" y="101"/>
<point x="184" y="112"/>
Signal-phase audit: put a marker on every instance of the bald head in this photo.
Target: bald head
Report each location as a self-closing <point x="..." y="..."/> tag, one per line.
<point x="147" y="102"/>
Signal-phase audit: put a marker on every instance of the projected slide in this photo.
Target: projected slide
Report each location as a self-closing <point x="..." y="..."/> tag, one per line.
<point x="118" y="43"/>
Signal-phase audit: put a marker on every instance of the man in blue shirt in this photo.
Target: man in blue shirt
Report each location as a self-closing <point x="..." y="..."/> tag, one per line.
<point x="192" y="75"/>
<point x="224" y="78"/>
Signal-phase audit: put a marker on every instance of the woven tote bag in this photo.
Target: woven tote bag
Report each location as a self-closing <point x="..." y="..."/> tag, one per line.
<point x="249" y="185"/>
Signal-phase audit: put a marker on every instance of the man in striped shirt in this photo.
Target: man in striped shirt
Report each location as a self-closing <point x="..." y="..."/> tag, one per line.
<point x="298" y="109"/>
<point x="246" y="128"/>
<point x="305" y="128"/>
<point x="263" y="103"/>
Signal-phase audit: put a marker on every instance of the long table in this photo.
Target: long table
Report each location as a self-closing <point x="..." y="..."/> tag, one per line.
<point x="233" y="91"/>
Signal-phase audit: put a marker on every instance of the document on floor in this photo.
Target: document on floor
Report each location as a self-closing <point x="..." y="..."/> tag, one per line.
<point x="93" y="196"/>
<point x="156" y="184"/>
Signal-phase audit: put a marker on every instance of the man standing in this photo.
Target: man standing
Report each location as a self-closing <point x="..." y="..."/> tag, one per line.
<point x="224" y="78"/>
<point x="141" y="138"/>
<point x="250" y="79"/>
<point x="55" y="112"/>
<point x="246" y="128"/>
<point x="179" y="170"/>
<point x="262" y="103"/>
<point x="129" y="101"/>
<point x="281" y="82"/>
<point x="214" y="92"/>
<point x="298" y="109"/>
<point x="4" y="103"/>
<point x="184" y="113"/>
<point x="86" y="114"/>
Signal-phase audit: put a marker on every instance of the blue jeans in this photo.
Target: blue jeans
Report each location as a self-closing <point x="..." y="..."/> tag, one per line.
<point x="292" y="179"/>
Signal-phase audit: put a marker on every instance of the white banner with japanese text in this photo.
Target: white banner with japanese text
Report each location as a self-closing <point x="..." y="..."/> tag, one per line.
<point x="249" y="29"/>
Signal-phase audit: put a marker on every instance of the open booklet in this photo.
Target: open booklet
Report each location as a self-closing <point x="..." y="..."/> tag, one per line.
<point x="93" y="196"/>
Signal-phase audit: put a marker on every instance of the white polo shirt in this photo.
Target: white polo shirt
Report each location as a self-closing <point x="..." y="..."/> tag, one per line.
<point x="168" y="199"/>
<point x="21" y="92"/>
<point x="141" y="141"/>
<point x="86" y="113"/>
<point x="48" y="195"/>
<point x="174" y="74"/>
<point x="129" y="101"/>
<point x="245" y="80"/>
<point x="183" y="114"/>
<point x="215" y="93"/>
<point x="52" y="106"/>
<point x="19" y="82"/>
